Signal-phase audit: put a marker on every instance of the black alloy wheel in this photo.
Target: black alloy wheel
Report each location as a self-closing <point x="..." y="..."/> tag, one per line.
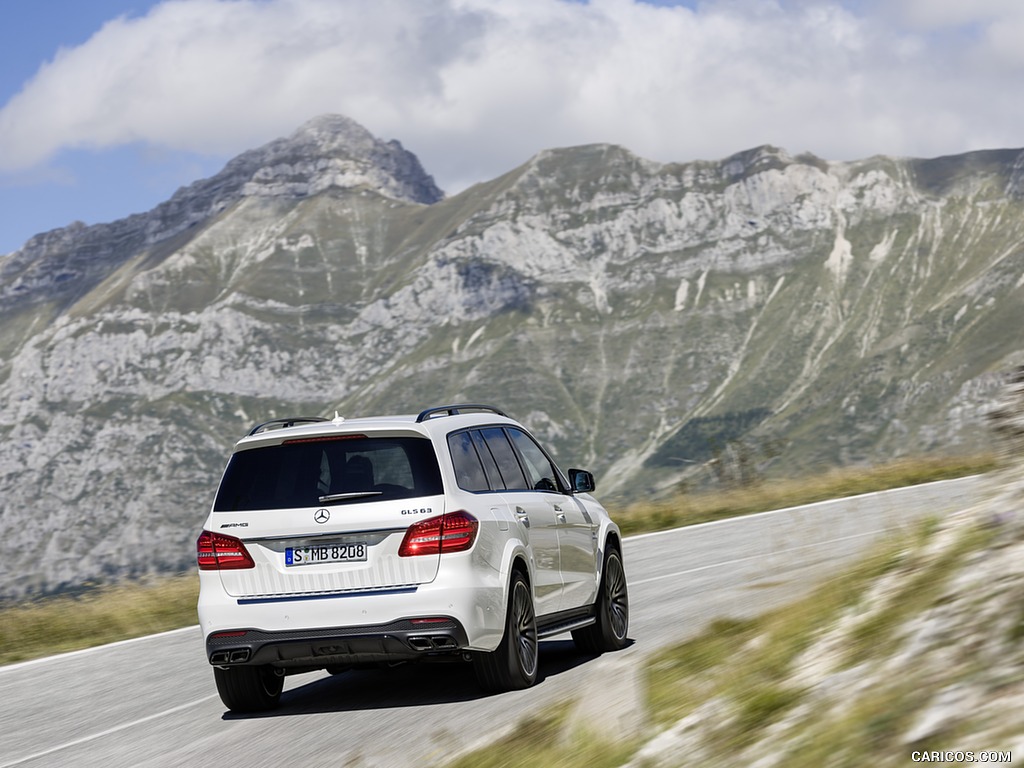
<point x="609" y="632"/>
<point x="513" y="664"/>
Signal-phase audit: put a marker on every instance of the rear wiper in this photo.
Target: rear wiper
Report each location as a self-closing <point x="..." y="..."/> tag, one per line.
<point x="352" y="495"/>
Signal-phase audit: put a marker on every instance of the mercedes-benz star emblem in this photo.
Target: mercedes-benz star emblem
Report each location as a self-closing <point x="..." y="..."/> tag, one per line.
<point x="322" y="515"/>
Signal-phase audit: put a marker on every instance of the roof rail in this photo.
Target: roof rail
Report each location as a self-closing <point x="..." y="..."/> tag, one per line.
<point x="291" y="421"/>
<point x="453" y="410"/>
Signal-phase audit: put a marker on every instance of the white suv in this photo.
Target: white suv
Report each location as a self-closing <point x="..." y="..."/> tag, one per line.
<point x="345" y="542"/>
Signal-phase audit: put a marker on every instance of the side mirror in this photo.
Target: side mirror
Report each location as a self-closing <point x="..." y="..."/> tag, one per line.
<point x="581" y="481"/>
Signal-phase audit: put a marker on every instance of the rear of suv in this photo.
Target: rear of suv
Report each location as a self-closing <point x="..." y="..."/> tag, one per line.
<point x="451" y="533"/>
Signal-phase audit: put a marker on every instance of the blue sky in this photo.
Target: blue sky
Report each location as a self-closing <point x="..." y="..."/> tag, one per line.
<point x="84" y="184"/>
<point x="108" y="106"/>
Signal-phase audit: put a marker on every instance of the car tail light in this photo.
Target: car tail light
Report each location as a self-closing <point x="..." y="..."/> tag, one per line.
<point x="322" y="439"/>
<point x="453" y="532"/>
<point x="219" y="552"/>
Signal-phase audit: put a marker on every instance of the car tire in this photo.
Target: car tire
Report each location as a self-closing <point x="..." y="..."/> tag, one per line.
<point x="608" y="633"/>
<point x="249" y="689"/>
<point x="513" y="664"/>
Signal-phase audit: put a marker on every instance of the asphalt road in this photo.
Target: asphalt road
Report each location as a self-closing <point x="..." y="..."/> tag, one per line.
<point x="152" y="701"/>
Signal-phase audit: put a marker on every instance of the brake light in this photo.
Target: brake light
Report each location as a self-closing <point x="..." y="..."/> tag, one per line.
<point x="323" y="439"/>
<point x="220" y="552"/>
<point x="453" y="532"/>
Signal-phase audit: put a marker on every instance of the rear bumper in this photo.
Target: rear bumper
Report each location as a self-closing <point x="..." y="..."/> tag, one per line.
<point x="405" y="639"/>
<point x="365" y="626"/>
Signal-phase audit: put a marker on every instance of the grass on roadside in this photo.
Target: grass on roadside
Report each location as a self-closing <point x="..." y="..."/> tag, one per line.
<point x="542" y="740"/>
<point x="719" y="504"/>
<point x="921" y="589"/>
<point x="97" y="616"/>
<point x="749" y="662"/>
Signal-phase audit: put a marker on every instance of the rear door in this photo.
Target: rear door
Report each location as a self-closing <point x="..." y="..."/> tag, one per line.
<point x="328" y="514"/>
<point x="535" y="512"/>
<point x="575" y="529"/>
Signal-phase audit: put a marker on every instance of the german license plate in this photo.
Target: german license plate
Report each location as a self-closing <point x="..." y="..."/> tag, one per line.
<point x="338" y="552"/>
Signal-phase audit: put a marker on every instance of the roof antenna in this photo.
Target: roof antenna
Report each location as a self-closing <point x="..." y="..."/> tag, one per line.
<point x="337" y="420"/>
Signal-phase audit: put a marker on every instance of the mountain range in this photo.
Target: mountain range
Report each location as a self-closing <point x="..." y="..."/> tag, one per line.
<point x="642" y="318"/>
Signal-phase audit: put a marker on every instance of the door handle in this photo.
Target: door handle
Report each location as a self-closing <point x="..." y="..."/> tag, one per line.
<point x="521" y="514"/>
<point x="559" y="514"/>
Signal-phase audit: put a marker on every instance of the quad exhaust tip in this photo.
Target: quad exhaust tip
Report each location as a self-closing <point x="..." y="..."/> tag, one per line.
<point x="230" y="656"/>
<point x="433" y="643"/>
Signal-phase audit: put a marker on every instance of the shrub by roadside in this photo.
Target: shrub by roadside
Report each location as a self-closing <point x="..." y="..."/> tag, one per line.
<point x="97" y="616"/>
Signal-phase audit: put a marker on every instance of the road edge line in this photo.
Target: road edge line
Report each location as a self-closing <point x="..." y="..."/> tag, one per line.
<point x="823" y="502"/>
<point x="93" y="648"/>
<point x="107" y="732"/>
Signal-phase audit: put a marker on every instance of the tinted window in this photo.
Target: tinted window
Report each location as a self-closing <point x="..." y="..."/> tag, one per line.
<point x="490" y="467"/>
<point x="469" y="472"/>
<point x="508" y="465"/>
<point x="299" y="474"/>
<point x="539" y="471"/>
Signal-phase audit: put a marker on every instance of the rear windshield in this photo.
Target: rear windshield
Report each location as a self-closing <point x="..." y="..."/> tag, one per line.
<point x="331" y="471"/>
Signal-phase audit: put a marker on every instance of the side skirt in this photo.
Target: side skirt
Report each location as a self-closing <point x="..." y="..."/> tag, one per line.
<point x="565" y="621"/>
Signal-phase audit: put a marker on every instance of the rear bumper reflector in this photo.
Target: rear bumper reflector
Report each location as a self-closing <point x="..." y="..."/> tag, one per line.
<point x="325" y="596"/>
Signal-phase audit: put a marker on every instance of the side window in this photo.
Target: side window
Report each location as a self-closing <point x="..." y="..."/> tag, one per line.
<point x="508" y="465"/>
<point x="490" y="467"/>
<point x="540" y="473"/>
<point x="468" y="470"/>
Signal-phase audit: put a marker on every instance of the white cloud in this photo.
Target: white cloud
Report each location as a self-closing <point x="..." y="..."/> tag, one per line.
<point x="477" y="86"/>
<point x="955" y="13"/>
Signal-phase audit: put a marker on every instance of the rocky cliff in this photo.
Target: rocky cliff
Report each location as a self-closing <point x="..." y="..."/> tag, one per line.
<point x="926" y="665"/>
<point x="636" y="315"/>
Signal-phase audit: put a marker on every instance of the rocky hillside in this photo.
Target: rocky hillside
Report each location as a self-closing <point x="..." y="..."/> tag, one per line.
<point x="638" y="316"/>
<point x="927" y="665"/>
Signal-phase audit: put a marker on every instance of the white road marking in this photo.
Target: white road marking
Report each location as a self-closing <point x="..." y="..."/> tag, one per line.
<point x="107" y="732"/>
<point x="93" y="649"/>
<point x="751" y="557"/>
<point x="825" y="503"/>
